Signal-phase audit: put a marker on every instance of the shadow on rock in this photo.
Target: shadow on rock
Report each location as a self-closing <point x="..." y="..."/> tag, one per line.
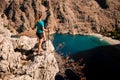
<point x="71" y="75"/>
<point x="59" y="77"/>
<point x="28" y="53"/>
<point x="101" y="63"/>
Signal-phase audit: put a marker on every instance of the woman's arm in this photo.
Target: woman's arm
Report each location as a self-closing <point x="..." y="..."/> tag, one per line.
<point x="44" y="29"/>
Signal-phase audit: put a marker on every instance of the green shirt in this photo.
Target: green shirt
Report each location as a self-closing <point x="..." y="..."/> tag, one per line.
<point x="39" y="26"/>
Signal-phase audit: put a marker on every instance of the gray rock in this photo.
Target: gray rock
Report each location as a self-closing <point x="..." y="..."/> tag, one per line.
<point x="43" y="67"/>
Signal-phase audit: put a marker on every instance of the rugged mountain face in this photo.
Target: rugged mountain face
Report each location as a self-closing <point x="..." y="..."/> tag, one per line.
<point x="64" y="16"/>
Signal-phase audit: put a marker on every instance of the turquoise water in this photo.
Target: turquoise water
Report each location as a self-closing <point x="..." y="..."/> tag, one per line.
<point x="68" y="44"/>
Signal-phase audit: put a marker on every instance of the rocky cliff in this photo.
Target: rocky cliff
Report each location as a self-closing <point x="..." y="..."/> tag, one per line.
<point x="18" y="59"/>
<point x="64" y="16"/>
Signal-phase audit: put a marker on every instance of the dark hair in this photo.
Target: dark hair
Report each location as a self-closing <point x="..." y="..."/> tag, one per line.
<point x="38" y="16"/>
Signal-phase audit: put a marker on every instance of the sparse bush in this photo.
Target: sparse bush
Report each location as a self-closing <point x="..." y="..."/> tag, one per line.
<point x="114" y="34"/>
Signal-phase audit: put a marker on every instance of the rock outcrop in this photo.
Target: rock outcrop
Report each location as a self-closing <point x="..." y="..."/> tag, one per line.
<point x="18" y="60"/>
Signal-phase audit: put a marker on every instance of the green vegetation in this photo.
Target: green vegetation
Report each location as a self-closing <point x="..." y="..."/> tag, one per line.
<point x="114" y="34"/>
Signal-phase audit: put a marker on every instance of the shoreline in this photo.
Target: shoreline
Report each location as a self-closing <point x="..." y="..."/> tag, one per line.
<point x="108" y="39"/>
<point x="102" y="37"/>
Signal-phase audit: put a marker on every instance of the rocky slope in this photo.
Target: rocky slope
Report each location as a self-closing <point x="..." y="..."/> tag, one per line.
<point x="64" y="16"/>
<point x="18" y="59"/>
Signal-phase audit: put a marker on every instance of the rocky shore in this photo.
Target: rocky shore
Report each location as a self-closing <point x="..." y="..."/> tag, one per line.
<point x="95" y="64"/>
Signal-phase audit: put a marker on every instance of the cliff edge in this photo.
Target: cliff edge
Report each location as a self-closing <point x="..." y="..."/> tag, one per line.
<point x="18" y="59"/>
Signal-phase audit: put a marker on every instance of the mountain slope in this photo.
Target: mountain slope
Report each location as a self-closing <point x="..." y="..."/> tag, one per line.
<point x="69" y="16"/>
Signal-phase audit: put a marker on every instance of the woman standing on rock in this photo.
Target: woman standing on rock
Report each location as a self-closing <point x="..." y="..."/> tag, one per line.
<point x="40" y="32"/>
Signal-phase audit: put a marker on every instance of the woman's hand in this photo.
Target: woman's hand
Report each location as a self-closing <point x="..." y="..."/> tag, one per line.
<point x="46" y="30"/>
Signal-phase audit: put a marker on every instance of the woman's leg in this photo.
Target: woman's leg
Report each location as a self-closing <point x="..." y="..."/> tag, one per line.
<point x="39" y="45"/>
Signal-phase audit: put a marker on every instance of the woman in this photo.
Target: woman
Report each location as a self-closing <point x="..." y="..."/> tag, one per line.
<point x="40" y="32"/>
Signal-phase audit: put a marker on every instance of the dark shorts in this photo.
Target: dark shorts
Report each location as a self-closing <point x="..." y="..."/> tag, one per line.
<point x="39" y="35"/>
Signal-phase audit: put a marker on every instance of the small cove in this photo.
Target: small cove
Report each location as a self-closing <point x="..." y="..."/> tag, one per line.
<point x="66" y="44"/>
